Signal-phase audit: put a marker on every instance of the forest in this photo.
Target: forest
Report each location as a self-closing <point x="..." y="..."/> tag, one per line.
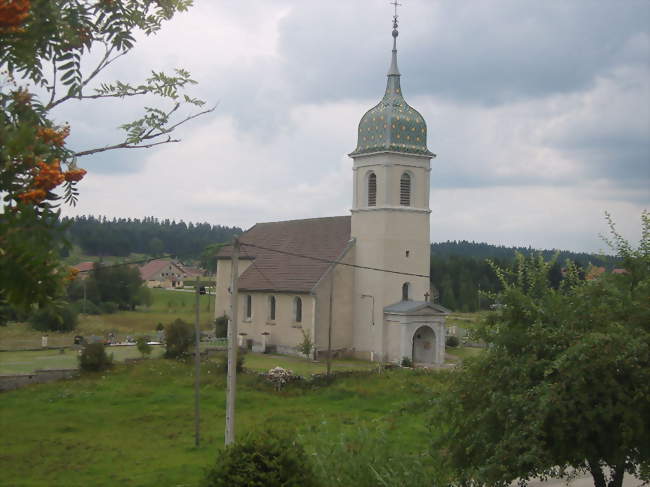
<point x="151" y="236"/>
<point x="460" y="269"/>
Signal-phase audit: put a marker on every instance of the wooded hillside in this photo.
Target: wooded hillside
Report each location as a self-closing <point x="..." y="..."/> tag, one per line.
<point x="121" y="237"/>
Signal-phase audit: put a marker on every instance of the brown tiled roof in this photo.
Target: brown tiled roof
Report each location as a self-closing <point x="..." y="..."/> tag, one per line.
<point x="323" y="238"/>
<point x="150" y="269"/>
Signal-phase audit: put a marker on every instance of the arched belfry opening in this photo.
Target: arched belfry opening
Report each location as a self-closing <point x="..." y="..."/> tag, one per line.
<point x="424" y="345"/>
<point x="405" y="190"/>
<point x="372" y="189"/>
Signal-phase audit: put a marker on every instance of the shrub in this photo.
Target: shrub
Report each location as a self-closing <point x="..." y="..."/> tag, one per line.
<point x="109" y="307"/>
<point x="306" y="345"/>
<point x="262" y="460"/>
<point x="406" y="362"/>
<point x="223" y="361"/>
<point x="143" y="346"/>
<point x="452" y="341"/>
<point x="178" y="339"/>
<point x="221" y="327"/>
<point x="93" y="358"/>
<point x="160" y="327"/>
<point x="90" y="307"/>
<point x="54" y="318"/>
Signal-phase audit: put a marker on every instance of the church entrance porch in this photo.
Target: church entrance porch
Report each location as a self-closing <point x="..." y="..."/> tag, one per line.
<point x="424" y="346"/>
<point x="415" y="330"/>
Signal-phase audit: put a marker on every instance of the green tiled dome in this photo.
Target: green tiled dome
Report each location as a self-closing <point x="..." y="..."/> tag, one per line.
<point x="392" y="125"/>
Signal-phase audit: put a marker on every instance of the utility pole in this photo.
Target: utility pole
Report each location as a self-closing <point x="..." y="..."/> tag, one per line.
<point x="197" y="369"/>
<point x="231" y="386"/>
<point x="329" y="328"/>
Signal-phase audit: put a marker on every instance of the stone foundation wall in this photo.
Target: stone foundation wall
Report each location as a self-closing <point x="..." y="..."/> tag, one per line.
<point x="10" y="382"/>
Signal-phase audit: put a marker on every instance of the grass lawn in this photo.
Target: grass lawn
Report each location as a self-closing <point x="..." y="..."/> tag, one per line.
<point x="24" y="362"/>
<point x="133" y="426"/>
<point x="461" y="353"/>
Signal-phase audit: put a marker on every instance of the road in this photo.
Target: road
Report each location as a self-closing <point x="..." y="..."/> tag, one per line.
<point x="582" y="482"/>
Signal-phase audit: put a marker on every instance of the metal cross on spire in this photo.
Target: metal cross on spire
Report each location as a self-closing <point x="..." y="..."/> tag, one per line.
<point x="395" y="16"/>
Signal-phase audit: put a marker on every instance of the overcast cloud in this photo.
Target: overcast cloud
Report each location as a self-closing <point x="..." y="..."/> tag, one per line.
<point x="539" y="113"/>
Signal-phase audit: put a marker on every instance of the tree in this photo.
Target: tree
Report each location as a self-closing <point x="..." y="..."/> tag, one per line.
<point x="43" y="46"/>
<point x="179" y="336"/>
<point x="565" y="382"/>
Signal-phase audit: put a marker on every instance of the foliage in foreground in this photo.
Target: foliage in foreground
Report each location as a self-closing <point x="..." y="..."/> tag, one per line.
<point x="565" y="383"/>
<point x="366" y="457"/>
<point x="45" y="43"/>
<point x="268" y="459"/>
<point x="94" y="358"/>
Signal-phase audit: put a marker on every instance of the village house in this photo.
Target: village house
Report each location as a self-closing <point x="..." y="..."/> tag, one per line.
<point x="357" y="285"/>
<point x="165" y="273"/>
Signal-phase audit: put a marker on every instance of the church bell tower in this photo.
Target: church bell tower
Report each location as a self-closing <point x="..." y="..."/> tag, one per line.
<point x="390" y="210"/>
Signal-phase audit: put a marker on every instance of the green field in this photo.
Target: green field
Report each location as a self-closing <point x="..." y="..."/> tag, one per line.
<point x="133" y="426"/>
<point x="167" y="306"/>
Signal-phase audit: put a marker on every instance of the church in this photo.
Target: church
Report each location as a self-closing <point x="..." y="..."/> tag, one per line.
<point x="354" y="285"/>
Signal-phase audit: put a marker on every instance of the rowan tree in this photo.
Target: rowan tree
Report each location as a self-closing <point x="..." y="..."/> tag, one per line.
<point x="564" y="386"/>
<point x="44" y="57"/>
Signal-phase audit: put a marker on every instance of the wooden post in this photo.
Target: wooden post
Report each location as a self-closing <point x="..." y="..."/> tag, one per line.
<point x="329" y="327"/>
<point x="231" y="386"/>
<point x="197" y="372"/>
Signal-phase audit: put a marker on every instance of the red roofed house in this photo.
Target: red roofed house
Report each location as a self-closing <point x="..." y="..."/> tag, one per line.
<point x="163" y="273"/>
<point x="360" y="283"/>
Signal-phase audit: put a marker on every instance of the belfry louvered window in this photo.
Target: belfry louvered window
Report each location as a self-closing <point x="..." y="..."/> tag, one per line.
<point x="272" y="308"/>
<point x="372" y="189"/>
<point x="405" y="190"/>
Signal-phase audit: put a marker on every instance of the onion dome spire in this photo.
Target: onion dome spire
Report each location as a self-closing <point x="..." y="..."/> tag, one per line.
<point x="392" y="125"/>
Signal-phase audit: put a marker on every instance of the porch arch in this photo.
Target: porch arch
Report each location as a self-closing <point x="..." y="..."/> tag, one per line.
<point x="423" y="344"/>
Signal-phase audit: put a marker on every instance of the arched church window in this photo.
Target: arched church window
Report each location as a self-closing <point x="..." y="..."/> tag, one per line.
<point x="405" y="291"/>
<point x="297" y="309"/>
<point x="405" y="190"/>
<point x="372" y="189"/>
<point x="272" y="308"/>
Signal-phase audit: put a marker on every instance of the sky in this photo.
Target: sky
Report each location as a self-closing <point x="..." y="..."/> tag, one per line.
<point x="538" y="112"/>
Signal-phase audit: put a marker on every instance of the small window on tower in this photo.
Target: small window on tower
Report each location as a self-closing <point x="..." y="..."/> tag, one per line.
<point x="408" y="252"/>
<point x="405" y="190"/>
<point x="372" y="189"/>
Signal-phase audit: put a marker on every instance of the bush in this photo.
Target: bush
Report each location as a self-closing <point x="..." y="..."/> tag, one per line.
<point x="221" y="327"/>
<point x="91" y="308"/>
<point x="452" y="341"/>
<point x="54" y="318"/>
<point x="178" y="339"/>
<point x="264" y="460"/>
<point x="406" y="362"/>
<point x="160" y="327"/>
<point x="109" y="307"/>
<point x="306" y="346"/>
<point x="93" y="358"/>
<point x="143" y="346"/>
<point x="223" y="361"/>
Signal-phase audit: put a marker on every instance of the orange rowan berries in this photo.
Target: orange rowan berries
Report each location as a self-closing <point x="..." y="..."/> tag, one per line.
<point x="49" y="176"/>
<point x="13" y="14"/>
<point x="33" y="196"/>
<point x="52" y="136"/>
<point x="74" y="175"/>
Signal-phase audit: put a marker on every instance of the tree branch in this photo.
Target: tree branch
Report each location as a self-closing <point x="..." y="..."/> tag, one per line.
<point x="148" y="136"/>
<point x="124" y="145"/>
<point x="105" y="61"/>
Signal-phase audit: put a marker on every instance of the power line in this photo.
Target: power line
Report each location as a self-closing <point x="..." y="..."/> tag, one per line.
<point x="338" y="262"/>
